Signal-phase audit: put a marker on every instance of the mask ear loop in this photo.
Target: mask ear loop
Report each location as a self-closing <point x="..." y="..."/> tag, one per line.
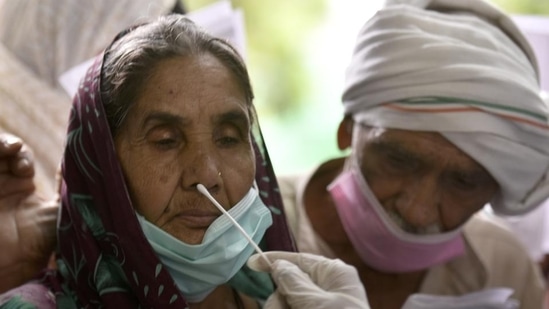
<point x="205" y="192"/>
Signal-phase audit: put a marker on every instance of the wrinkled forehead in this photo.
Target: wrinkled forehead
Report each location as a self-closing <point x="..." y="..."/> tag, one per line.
<point x="429" y="147"/>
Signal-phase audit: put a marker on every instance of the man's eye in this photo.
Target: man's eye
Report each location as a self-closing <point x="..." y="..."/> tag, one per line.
<point x="397" y="160"/>
<point x="464" y="183"/>
<point x="400" y="163"/>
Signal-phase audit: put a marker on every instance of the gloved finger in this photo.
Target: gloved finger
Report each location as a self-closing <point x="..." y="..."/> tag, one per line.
<point x="256" y="262"/>
<point x="276" y="301"/>
<point x="312" y="264"/>
<point x="336" y="276"/>
<point x="329" y="274"/>
<point x="298" y="288"/>
<point x="291" y="280"/>
<point x="301" y="291"/>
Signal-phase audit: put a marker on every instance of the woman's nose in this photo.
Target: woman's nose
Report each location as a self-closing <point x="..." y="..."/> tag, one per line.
<point x="201" y="167"/>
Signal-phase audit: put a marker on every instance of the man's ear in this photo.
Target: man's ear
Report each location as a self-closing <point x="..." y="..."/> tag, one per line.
<point x="345" y="133"/>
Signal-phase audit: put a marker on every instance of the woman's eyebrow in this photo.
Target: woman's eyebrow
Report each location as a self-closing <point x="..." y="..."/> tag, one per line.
<point x="164" y="117"/>
<point x="235" y="116"/>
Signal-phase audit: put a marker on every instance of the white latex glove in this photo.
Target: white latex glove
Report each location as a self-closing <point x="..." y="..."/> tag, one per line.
<point x="311" y="281"/>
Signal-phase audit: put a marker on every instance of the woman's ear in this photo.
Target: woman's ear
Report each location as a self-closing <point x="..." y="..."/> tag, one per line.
<point x="345" y="133"/>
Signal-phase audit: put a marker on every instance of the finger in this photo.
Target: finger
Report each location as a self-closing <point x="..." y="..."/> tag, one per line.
<point x="291" y="280"/>
<point x="329" y="274"/>
<point x="302" y="291"/>
<point x="22" y="167"/>
<point x="257" y="262"/>
<point x="9" y="144"/>
<point x="305" y="261"/>
<point x="19" y="165"/>
<point x="15" y="185"/>
<point x="4" y="166"/>
<point x="22" y="164"/>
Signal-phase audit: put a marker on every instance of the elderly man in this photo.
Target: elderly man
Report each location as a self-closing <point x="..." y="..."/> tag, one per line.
<point x="442" y="115"/>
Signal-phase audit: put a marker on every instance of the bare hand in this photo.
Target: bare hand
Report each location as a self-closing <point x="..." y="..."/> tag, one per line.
<point x="16" y="167"/>
<point x="27" y="222"/>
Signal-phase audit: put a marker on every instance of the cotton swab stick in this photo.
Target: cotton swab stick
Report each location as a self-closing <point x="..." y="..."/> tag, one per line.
<point x="204" y="191"/>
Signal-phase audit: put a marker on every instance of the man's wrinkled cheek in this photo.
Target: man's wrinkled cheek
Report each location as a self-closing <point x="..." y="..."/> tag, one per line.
<point x="164" y="179"/>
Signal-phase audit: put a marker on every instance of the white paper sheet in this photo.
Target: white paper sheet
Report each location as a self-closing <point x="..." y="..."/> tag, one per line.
<point x="497" y="298"/>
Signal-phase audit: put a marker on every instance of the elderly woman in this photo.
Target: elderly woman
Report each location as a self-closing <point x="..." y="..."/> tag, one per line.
<point x="167" y="107"/>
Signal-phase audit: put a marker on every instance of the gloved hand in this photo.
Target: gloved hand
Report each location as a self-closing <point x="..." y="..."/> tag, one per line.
<point x="27" y="222"/>
<point x="310" y="281"/>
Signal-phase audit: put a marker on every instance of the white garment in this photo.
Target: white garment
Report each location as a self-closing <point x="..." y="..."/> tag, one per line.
<point x="531" y="229"/>
<point x="302" y="229"/>
<point x="461" y="68"/>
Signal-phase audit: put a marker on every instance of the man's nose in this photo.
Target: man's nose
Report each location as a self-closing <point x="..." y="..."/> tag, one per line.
<point x="418" y="203"/>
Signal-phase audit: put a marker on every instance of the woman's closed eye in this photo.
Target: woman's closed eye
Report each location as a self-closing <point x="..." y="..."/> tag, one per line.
<point x="164" y="139"/>
<point x="228" y="136"/>
<point x="166" y="142"/>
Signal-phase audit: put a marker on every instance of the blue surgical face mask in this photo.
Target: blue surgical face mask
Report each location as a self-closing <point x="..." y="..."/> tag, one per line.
<point x="199" y="269"/>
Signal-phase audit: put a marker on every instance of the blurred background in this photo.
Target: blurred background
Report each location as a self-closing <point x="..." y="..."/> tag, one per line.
<point x="297" y="53"/>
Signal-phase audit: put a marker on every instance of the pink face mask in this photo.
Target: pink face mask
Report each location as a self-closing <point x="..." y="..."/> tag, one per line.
<point x="380" y="243"/>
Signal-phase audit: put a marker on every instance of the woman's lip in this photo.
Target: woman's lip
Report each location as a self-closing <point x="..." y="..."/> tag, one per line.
<point x="197" y="220"/>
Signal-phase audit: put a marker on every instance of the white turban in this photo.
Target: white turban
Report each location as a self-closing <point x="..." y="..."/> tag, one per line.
<point x="463" y="69"/>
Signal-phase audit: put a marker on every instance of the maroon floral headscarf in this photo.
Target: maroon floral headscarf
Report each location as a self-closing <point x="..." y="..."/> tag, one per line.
<point x="104" y="258"/>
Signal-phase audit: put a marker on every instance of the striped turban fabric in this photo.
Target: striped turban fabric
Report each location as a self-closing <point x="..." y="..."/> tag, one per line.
<point x="463" y="69"/>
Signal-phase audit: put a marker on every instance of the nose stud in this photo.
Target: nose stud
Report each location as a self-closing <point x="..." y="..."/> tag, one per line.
<point x="219" y="174"/>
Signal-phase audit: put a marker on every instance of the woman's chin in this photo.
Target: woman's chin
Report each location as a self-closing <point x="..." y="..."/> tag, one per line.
<point x="186" y="234"/>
